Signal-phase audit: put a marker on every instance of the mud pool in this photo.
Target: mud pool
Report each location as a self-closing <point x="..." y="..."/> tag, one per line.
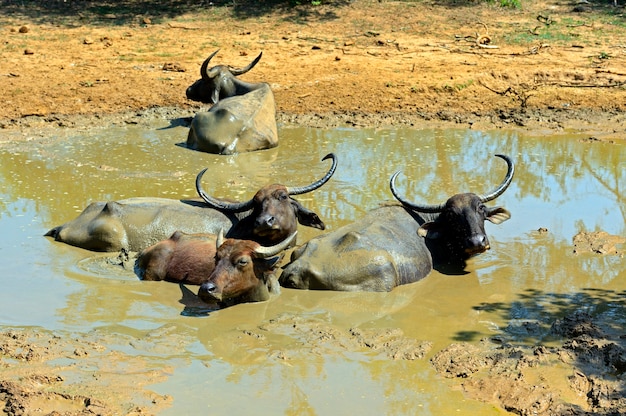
<point x="311" y="352"/>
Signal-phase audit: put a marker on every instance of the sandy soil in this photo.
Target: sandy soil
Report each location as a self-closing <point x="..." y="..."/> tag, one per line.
<point x="549" y="66"/>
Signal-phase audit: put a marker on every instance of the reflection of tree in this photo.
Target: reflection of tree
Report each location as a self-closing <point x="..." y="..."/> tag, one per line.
<point x="607" y="173"/>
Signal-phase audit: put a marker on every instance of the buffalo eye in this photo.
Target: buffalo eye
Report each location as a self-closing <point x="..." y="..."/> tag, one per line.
<point x="482" y="209"/>
<point x="242" y="262"/>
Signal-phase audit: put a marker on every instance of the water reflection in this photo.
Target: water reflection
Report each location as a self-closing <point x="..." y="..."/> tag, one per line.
<point x="269" y="349"/>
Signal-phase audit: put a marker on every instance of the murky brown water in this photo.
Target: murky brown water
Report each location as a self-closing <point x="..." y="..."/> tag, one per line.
<point x="296" y="354"/>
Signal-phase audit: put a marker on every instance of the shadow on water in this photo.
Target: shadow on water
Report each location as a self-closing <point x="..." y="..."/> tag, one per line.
<point x="587" y="325"/>
<point x="535" y="311"/>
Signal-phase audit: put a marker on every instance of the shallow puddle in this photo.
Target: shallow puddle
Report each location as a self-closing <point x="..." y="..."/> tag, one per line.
<point x="312" y="352"/>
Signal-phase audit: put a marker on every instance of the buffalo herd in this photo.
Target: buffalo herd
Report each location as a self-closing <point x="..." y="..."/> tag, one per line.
<point x="235" y="251"/>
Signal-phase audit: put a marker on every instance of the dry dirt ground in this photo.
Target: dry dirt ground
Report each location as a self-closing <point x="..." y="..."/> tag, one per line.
<point x="547" y="66"/>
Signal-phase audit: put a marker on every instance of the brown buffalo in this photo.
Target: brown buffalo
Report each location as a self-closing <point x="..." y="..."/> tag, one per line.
<point x="244" y="272"/>
<point x="268" y="218"/>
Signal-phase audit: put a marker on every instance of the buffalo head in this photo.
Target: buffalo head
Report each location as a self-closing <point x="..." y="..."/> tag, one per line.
<point x="244" y="271"/>
<point x="273" y="213"/>
<point x="457" y="227"/>
<point x="219" y="82"/>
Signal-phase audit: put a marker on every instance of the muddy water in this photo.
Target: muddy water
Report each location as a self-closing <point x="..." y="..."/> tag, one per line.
<point x="307" y="352"/>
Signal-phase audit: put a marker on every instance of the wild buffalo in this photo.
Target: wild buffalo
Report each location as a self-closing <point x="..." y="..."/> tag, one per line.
<point x="244" y="272"/>
<point x="397" y="244"/>
<point x="268" y="218"/>
<point x="135" y="223"/>
<point x="243" y="115"/>
<point x="272" y="214"/>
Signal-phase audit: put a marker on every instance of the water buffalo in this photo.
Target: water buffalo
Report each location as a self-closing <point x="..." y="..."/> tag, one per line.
<point x="219" y="82"/>
<point x="243" y="115"/>
<point x="272" y="214"/>
<point x="397" y="244"/>
<point x="244" y="272"/>
<point x="135" y="223"/>
<point x="268" y="218"/>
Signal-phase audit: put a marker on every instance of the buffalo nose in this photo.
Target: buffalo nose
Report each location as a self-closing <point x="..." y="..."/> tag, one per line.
<point x="479" y="241"/>
<point x="208" y="287"/>
<point x="268" y="221"/>
<point x="209" y="293"/>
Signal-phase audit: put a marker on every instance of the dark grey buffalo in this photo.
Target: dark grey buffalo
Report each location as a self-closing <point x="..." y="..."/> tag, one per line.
<point x="397" y="244"/>
<point x="244" y="272"/>
<point x="243" y="115"/>
<point x="135" y="223"/>
<point x="272" y="214"/>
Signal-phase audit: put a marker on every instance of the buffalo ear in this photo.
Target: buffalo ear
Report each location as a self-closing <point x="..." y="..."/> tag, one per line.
<point x="429" y="230"/>
<point x="271" y="262"/>
<point x="215" y="97"/>
<point x="307" y="217"/>
<point x="498" y="215"/>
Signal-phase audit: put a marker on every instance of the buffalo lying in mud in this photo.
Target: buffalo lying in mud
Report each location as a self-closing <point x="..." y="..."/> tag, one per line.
<point x="244" y="272"/>
<point x="243" y="115"/>
<point x="270" y="217"/>
<point x="135" y="223"/>
<point x="397" y="244"/>
<point x="272" y="214"/>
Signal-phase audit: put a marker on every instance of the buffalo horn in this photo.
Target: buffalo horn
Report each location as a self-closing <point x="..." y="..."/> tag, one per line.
<point x="239" y="71"/>
<point x="505" y="183"/>
<point x="220" y="238"/>
<point x="218" y="204"/>
<point x="205" y="64"/>
<point x="244" y="206"/>
<point x="304" y="189"/>
<point x="265" y="252"/>
<point x="438" y="208"/>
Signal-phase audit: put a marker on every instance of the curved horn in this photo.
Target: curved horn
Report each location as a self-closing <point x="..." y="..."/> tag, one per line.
<point x="265" y="252"/>
<point x="505" y="183"/>
<point x="437" y="208"/>
<point x="205" y="64"/>
<point x="432" y="209"/>
<point x="220" y="239"/>
<point x="218" y="204"/>
<point x="299" y="190"/>
<point x="239" y="71"/>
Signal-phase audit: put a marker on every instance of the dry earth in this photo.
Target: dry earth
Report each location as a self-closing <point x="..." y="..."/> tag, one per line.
<point x="547" y="66"/>
<point x="550" y="65"/>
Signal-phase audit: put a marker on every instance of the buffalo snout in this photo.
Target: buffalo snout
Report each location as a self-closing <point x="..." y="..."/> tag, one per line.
<point x="209" y="293"/>
<point x="477" y="244"/>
